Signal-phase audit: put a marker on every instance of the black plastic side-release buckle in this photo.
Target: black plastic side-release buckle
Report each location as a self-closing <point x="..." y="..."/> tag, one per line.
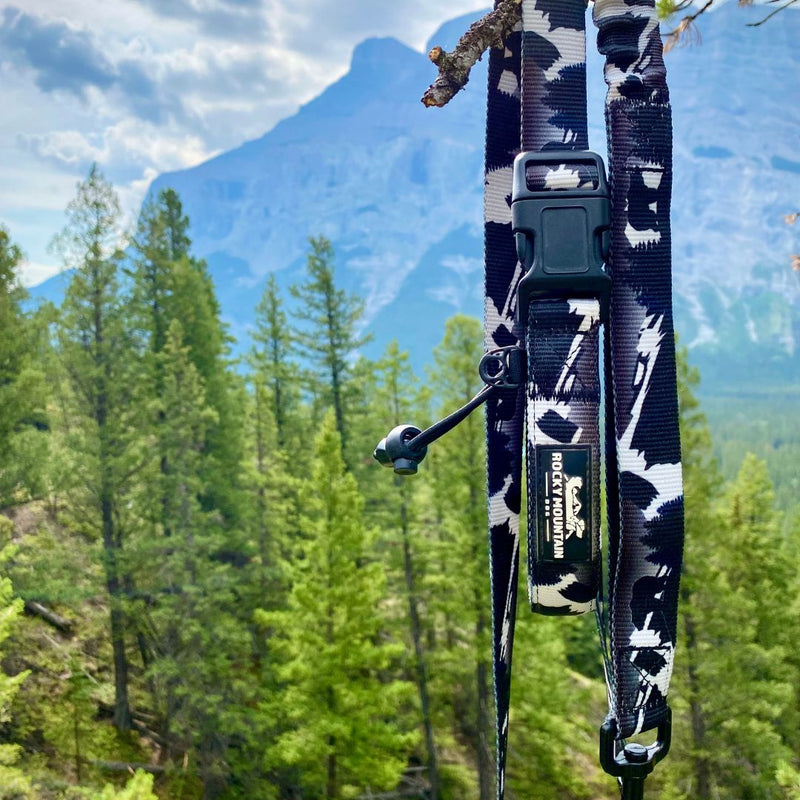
<point x="561" y="216"/>
<point x="634" y="762"/>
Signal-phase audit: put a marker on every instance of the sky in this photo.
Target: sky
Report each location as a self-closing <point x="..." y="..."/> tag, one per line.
<point x="147" y="86"/>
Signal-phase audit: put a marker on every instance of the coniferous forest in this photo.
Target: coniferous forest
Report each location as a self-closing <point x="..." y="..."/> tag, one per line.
<point x="209" y="589"/>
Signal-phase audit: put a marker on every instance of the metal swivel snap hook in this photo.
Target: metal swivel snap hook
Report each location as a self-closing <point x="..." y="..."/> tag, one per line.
<point x="634" y="762"/>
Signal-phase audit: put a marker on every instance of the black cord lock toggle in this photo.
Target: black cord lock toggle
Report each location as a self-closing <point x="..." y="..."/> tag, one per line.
<point x="405" y="446"/>
<point x="634" y="762"/>
<point x="394" y="450"/>
<point x="561" y="218"/>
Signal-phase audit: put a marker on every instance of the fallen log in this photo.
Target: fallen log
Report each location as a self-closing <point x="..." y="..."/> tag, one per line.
<point x="56" y="620"/>
<point x="126" y="766"/>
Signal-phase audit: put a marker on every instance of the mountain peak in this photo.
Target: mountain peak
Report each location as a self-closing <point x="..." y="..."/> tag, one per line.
<point x="380" y="52"/>
<point x="398" y="188"/>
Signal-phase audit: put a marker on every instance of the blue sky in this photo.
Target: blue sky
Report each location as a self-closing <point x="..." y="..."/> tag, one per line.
<point x="146" y="86"/>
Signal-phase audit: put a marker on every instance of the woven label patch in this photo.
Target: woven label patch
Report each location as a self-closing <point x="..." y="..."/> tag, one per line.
<point x="563" y="503"/>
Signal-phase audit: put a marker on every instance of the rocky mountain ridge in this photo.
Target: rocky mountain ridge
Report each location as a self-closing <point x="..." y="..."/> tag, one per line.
<point x="398" y="189"/>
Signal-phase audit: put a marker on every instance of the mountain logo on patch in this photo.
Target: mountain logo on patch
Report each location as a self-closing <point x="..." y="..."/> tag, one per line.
<point x="563" y="503"/>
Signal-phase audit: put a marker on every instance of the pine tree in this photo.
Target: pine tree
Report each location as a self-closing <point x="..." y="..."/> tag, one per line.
<point x="395" y="398"/>
<point x="271" y="360"/>
<point x="196" y="605"/>
<point x="702" y="486"/>
<point x="457" y="469"/>
<point x="271" y="514"/>
<point x="13" y="783"/>
<point x="732" y="684"/>
<point x="328" y="336"/>
<point x="551" y="735"/>
<point x="202" y="643"/>
<point x="22" y="449"/>
<point x="96" y="356"/>
<point x="194" y="303"/>
<point x="339" y="698"/>
<point x="170" y="284"/>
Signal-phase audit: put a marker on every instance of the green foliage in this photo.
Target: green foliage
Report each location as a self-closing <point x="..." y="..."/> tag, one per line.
<point x="666" y="8"/>
<point x="168" y="285"/>
<point x="457" y="526"/>
<point x="763" y="422"/>
<point x="139" y="787"/>
<point x="193" y="626"/>
<point x="338" y="694"/>
<point x="328" y="334"/>
<point x="272" y="362"/>
<point x="14" y="785"/>
<point x="95" y="353"/>
<point x="551" y="733"/>
<point x="275" y="620"/>
<point x="788" y="779"/>
<point x="21" y="388"/>
<point x="733" y="682"/>
<point x="393" y="502"/>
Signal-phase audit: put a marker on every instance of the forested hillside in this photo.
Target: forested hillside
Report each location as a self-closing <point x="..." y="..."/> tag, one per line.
<point x="210" y="590"/>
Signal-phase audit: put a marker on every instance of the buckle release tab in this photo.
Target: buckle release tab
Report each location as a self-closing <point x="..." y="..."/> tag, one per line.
<point x="561" y="217"/>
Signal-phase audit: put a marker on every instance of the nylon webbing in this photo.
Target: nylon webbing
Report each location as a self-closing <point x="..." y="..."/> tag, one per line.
<point x="646" y="548"/>
<point x="504" y="414"/>
<point x="563" y="421"/>
<point x="561" y="338"/>
<point x="563" y="398"/>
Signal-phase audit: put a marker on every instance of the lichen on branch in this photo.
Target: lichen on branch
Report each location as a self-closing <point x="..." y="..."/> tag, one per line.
<point x="454" y="67"/>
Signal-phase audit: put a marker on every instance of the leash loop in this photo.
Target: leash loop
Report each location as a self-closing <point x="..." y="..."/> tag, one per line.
<point x="631" y="762"/>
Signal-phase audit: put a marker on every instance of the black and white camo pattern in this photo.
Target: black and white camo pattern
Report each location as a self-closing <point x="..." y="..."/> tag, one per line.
<point x="504" y="412"/>
<point x="645" y="504"/>
<point x="555" y="74"/>
<point x="558" y="404"/>
<point x="646" y="520"/>
<point x="563" y="408"/>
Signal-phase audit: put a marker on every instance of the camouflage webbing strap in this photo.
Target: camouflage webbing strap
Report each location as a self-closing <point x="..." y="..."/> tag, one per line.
<point x="562" y="332"/>
<point x="544" y="96"/>
<point x="646" y="500"/>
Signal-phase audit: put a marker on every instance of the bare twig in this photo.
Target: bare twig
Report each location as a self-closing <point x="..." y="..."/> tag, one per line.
<point x="454" y="68"/>
<point x="771" y="13"/>
<point x="674" y="37"/>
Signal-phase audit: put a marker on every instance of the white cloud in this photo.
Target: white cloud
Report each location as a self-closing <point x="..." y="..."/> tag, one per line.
<point x="129" y="142"/>
<point x="163" y="84"/>
<point x="462" y="265"/>
<point x="131" y="196"/>
<point x="32" y="273"/>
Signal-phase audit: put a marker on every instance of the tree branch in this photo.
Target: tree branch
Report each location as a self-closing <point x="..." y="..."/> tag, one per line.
<point x="674" y="37"/>
<point x="454" y="68"/>
<point x="771" y="13"/>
